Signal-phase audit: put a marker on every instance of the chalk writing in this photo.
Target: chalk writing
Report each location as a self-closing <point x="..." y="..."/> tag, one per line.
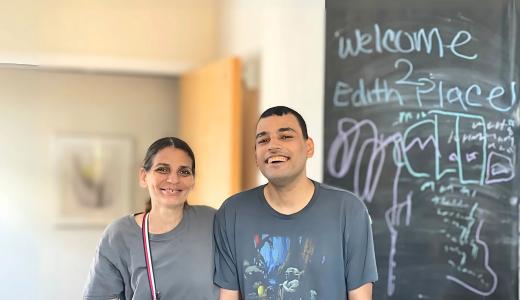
<point x="420" y="133"/>
<point x="350" y="148"/>
<point x="398" y="41"/>
<point x="458" y="97"/>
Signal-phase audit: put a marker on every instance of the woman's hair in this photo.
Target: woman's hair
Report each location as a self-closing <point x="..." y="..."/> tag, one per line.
<point x="157" y="146"/>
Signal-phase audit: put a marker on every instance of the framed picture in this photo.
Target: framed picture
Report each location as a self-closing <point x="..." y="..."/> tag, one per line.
<point x="93" y="178"/>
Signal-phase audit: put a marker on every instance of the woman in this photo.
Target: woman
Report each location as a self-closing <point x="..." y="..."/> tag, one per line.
<point x="166" y="252"/>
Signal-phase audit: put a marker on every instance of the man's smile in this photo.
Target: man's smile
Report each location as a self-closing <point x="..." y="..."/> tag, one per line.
<point x="276" y="159"/>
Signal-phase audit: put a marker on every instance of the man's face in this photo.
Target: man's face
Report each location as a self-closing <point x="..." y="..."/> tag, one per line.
<point x="281" y="152"/>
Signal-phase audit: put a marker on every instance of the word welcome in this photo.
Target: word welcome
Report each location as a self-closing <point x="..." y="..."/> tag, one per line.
<point x="399" y="41"/>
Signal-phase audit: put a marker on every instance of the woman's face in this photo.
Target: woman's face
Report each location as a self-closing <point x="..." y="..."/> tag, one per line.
<point x="170" y="178"/>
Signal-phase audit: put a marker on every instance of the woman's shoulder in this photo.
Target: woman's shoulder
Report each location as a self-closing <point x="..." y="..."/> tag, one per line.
<point x="115" y="234"/>
<point x="121" y="225"/>
<point x="201" y="210"/>
<point x="201" y="216"/>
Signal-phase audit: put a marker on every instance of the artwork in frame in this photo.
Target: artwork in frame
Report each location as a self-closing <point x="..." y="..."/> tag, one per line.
<point x="94" y="174"/>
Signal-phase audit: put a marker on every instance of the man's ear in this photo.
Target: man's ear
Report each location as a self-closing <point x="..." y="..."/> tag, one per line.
<point x="254" y="156"/>
<point x="142" y="178"/>
<point x="310" y="147"/>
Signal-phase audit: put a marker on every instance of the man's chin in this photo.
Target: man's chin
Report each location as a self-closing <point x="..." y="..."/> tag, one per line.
<point x="278" y="180"/>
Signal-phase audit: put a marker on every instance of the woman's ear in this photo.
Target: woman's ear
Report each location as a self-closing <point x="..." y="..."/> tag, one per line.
<point x="142" y="178"/>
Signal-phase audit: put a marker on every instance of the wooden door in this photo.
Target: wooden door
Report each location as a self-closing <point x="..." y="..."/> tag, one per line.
<point x="210" y="118"/>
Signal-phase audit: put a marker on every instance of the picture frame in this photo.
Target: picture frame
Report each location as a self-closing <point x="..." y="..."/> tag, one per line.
<point x="93" y="176"/>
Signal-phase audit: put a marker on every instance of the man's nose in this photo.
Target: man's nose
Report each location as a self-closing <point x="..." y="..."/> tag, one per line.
<point x="273" y="144"/>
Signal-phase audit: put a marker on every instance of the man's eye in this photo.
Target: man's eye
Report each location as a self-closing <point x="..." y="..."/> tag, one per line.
<point x="263" y="141"/>
<point x="286" y="137"/>
<point x="185" y="172"/>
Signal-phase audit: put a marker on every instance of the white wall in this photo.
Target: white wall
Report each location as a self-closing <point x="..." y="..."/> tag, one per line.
<point x="288" y="36"/>
<point x="166" y="36"/>
<point x="40" y="261"/>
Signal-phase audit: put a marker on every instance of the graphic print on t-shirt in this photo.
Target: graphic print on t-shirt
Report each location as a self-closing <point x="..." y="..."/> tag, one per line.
<point x="279" y="268"/>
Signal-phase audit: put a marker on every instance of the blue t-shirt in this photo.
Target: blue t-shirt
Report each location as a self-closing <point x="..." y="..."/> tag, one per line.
<point x="320" y="252"/>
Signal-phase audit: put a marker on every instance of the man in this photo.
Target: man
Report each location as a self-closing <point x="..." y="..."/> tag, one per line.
<point x="292" y="238"/>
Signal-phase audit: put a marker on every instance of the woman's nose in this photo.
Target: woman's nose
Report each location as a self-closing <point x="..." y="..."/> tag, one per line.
<point x="172" y="177"/>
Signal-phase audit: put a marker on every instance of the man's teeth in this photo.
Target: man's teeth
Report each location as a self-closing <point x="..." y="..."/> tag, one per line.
<point x="276" y="159"/>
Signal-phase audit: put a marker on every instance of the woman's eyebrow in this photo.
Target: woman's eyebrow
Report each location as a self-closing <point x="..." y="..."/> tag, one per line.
<point x="162" y="165"/>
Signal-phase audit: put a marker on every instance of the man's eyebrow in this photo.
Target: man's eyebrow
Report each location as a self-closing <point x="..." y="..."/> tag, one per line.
<point x="280" y="130"/>
<point x="284" y="129"/>
<point x="260" y="134"/>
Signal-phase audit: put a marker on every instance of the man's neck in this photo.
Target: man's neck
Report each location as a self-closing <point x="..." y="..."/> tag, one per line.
<point x="289" y="198"/>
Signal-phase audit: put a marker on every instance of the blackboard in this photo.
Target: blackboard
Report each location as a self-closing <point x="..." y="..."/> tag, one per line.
<point x="422" y="123"/>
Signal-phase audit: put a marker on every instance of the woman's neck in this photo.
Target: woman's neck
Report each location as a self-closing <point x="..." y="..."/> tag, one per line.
<point x="164" y="219"/>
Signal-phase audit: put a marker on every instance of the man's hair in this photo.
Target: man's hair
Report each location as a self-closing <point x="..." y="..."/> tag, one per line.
<point x="284" y="110"/>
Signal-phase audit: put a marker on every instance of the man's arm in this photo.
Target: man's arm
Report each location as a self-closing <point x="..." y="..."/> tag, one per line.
<point x="229" y="294"/>
<point x="225" y="276"/>
<point x="360" y="260"/>
<point x="363" y="292"/>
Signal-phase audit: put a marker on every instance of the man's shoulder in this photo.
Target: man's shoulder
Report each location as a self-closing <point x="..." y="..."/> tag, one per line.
<point x="337" y="192"/>
<point x="240" y="200"/>
<point x="345" y="197"/>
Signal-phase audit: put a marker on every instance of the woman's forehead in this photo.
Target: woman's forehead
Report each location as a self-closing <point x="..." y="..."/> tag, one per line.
<point x="172" y="155"/>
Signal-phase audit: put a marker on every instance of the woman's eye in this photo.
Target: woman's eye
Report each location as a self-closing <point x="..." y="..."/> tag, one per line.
<point x="185" y="172"/>
<point x="162" y="170"/>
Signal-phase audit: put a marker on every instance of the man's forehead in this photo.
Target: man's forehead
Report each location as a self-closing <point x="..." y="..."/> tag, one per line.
<point x="278" y="123"/>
